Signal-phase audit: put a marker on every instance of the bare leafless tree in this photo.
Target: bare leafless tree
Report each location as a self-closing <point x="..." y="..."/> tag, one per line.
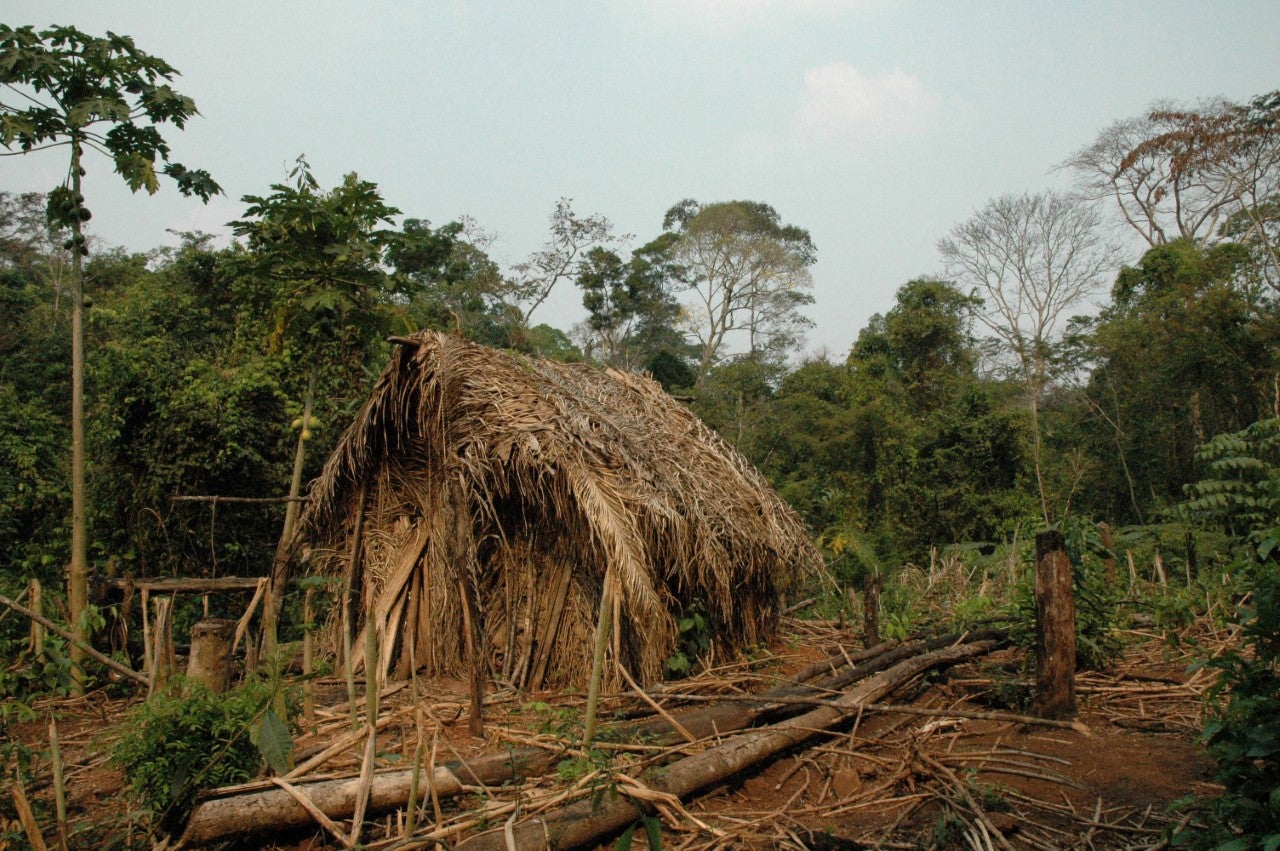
<point x="1031" y="258"/>
<point x="572" y="236"/>
<point x="1207" y="172"/>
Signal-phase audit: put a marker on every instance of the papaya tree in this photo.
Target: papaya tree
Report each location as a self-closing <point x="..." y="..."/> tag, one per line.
<point x="87" y="94"/>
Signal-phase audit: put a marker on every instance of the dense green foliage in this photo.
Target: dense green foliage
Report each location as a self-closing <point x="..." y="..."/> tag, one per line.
<point x="1242" y="495"/>
<point x="187" y="738"/>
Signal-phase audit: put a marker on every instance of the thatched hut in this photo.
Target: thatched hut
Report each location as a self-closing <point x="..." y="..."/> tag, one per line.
<point x="498" y="492"/>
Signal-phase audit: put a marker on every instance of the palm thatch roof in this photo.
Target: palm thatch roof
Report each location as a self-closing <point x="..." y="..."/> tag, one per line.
<point x="496" y="491"/>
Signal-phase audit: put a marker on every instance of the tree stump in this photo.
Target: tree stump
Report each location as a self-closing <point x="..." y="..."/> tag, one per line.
<point x="210" y="659"/>
<point x="1055" y="629"/>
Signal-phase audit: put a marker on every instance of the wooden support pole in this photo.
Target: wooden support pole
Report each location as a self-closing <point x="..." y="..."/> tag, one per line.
<point x="163" y="659"/>
<point x="308" y="656"/>
<point x="871" y="609"/>
<point x="1193" y="566"/>
<point x="35" y="600"/>
<point x="475" y="664"/>
<point x="601" y="644"/>
<point x="1055" y="629"/>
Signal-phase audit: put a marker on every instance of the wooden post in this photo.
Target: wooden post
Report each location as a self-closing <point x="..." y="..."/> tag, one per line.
<point x="472" y="642"/>
<point x="210" y="659"/>
<point x="59" y="782"/>
<point x="1055" y="629"/>
<point x="871" y="610"/>
<point x="162" y="657"/>
<point x="599" y="647"/>
<point x="1193" y="566"/>
<point x="1109" y="541"/>
<point x="35" y="601"/>
<point x="308" y="657"/>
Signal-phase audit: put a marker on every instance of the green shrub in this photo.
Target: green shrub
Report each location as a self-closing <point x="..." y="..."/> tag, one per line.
<point x="186" y="738"/>
<point x="1096" y="600"/>
<point x="1243" y="732"/>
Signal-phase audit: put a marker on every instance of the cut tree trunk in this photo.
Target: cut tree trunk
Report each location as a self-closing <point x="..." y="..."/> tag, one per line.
<point x="261" y="809"/>
<point x="1055" y="629"/>
<point x="210" y="659"/>
<point x="590" y="821"/>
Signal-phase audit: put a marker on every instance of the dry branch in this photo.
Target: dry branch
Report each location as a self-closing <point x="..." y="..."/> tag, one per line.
<point x="584" y="822"/>
<point x="122" y="670"/>
<point x="255" y="810"/>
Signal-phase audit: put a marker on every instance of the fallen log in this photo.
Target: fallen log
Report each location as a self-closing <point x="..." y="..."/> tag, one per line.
<point x="589" y="821"/>
<point x="263" y="809"/>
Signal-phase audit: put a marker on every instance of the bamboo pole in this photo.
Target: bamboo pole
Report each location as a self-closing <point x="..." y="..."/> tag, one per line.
<point x="348" y="581"/>
<point x="36" y="601"/>
<point x="59" y="782"/>
<point x="308" y="658"/>
<point x="601" y="644"/>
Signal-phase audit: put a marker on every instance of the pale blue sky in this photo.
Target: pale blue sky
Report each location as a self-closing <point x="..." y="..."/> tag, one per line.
<point x="875" y="124"/>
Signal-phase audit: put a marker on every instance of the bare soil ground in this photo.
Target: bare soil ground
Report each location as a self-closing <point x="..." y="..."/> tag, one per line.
<point x="884" y="779"/>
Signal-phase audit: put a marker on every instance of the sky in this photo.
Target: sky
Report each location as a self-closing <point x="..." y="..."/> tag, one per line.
<point x="877" y="125"/>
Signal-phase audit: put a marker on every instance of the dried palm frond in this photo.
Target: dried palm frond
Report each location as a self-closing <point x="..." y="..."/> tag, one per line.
<point x="523" y="481"/>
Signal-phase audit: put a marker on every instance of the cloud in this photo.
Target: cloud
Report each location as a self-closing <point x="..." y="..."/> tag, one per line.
<point x="841" y="104"/>
<point x="730" y="16"/>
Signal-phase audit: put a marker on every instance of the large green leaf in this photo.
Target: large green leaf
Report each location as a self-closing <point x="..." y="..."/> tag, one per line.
<point x="275" y="742"/>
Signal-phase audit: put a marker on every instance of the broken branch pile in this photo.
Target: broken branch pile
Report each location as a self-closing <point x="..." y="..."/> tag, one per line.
<point x="259" y="809"/>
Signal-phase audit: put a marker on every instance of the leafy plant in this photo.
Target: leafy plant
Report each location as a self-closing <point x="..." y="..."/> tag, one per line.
<point x="1243" y="732"/>
<point x="187" y="737"/>
<point x="1096" y="599"/>
<point x="693" y="640"/>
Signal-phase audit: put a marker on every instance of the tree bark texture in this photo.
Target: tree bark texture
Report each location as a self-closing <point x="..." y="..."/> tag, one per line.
<point x="1055" y="629"/>
<point x="210" y="659"/>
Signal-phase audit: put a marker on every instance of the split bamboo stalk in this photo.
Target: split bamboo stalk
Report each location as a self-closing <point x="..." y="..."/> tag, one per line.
<point x="59" y="782"/>
<point x="25" y="816"/>
<point x="371" y="717"/>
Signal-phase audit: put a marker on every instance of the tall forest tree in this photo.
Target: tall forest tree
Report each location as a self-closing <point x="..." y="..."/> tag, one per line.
<point x="746" y="271"/>
<point x="1031" y="259"/>
<point x="1205" y="173"/>
<point x="632" y="314"/>
<point x="1181" y="354"/>
<point x="450" y="281"/>
<point x="89" y="94"/>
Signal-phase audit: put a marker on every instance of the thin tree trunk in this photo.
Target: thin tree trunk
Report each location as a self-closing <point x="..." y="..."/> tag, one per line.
<point x="280" y="565"/>
<point x="78" y="570"/>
